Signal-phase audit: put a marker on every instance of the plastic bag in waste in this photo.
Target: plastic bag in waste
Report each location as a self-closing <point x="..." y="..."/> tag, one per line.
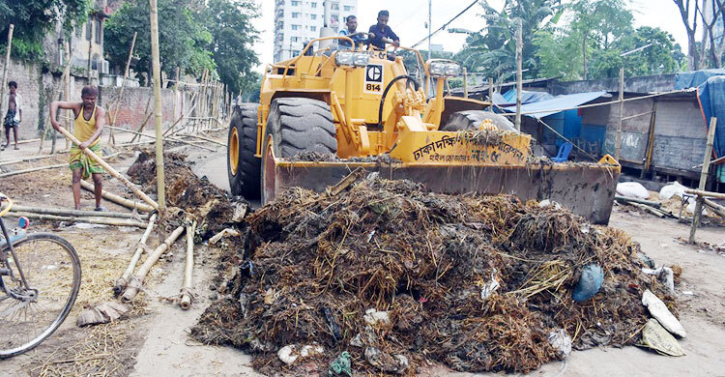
<point x="674" y="189"/>
<point x="659" y="311"/>
<point x="632" y="190"/>
<point x="655" y="336"/>
<point x="341" y="365"/>
<point x="561" y="342"/>
<point x="589" y="283"/>
<point x="664" y="275"/>
<point x="385" y="362"/>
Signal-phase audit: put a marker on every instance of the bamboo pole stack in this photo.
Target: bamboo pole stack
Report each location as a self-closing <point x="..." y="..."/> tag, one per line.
<point x="121" y="282"/>
<point x="136" y="282"/>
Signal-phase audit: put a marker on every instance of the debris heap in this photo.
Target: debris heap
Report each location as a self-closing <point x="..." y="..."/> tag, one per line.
<point x="195" y="198"/>
<point x="397" y="277"/>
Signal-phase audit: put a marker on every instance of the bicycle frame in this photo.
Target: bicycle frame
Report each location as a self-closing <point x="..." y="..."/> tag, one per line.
<point x="4" y="268"/>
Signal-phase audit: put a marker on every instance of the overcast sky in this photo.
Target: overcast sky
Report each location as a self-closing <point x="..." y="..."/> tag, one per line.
<point x="408" y="18"/>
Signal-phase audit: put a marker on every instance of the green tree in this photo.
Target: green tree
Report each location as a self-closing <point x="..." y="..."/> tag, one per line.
<point x="33" y="19"/>
<point x="229" y="23"/>
<point x="181" y="36"/>
<point x="496" y="42"/>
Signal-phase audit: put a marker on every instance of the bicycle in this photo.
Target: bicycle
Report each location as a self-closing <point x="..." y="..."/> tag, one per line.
<point x="40" y="276"/>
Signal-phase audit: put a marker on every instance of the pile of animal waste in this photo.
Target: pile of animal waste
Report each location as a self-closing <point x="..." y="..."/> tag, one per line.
<point x="383" y="278"/>
<point x="194" y="198"/>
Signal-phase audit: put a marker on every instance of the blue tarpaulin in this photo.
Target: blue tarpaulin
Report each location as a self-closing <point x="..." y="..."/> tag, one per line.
<point x="710" y="84"/>
<point x="711" y="95"/>
<point x="694" y="79"/>
<point x="546" y="107"/>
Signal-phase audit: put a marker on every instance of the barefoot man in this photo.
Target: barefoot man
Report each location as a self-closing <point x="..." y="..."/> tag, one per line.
<point x="89" y="122"/>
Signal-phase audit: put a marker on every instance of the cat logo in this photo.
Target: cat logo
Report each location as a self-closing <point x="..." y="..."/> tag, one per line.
<point x="374" y="79"/>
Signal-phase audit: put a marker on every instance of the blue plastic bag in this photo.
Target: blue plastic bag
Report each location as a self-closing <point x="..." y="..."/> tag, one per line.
<point x="589" y="283"/>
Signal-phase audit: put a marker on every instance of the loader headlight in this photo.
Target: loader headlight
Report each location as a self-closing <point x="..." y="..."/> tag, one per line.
<point x="360" y="60"/>
<point x="440" y="69"/>
<point x="349" y="58"/>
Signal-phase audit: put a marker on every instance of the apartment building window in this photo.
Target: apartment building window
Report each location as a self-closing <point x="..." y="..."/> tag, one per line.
<point x="295" y="39"/>
<point x="313" y="5"/>
<point x="335" y="6"/>
<point x="295" y="27"/>
<point x="99" y="32"/>
<point x="313" y="16"/>
<point x="347" y="8"/>
<point x="295" y="52"/>
<point x="295" y="3"/>
<point x="313" y="28"/>
<point x="295" y="14"/>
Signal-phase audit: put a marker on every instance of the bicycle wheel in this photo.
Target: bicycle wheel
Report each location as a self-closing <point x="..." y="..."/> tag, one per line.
<point x="53" y="273"/>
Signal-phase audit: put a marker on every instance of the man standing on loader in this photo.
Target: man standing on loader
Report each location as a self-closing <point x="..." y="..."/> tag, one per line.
<point x="381" y="32"/>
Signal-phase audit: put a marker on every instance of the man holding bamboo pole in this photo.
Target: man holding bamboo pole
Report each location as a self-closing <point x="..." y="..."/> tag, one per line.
<point x="89" y="120"/>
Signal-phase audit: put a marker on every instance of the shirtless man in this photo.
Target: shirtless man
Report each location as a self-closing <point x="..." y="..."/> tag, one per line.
<point x="14" y="116"/>
<point x="89" y="121"/>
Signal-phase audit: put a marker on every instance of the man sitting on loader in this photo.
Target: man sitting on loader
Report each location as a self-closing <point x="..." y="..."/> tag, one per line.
<point x="360" y="39"/>
<point x="381" y="32"/>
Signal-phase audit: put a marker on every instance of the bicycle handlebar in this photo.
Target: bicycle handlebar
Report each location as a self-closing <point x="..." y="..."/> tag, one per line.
<point x="9" y="206"/>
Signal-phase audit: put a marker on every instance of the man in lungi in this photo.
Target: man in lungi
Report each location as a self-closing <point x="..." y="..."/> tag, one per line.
<point x="89" y="120"/>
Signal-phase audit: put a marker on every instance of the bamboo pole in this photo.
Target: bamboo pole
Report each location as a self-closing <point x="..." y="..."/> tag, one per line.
<point x="193" y="103"/>
<point x="186" y="296"/>
<point x="90" y="220"/>
<point x="160" y="176"/>
<point x="30" y="170"/>
<point x="5" y="71"/>
<point x="66" y="95"/>
<point x="90" y="52"/>
<point x="205" y="139"/>
<point x="111" y="137"/>
<point x="121" y="282"/>
<point x="703" y="178"/>
<point x="146" y="120"/>
<point x="708" y="194"/>
<point x="56" y="96"/>
<point x="720" y="210"/>
<point x="118" y="199"/>
<point x="618" y="141"/>
<point x="28" y="159"/>
<point x="137" y="280"/>
<point x="176" y="95"/>
<point x="74" y="213"/>
<point x="111" y="170"/>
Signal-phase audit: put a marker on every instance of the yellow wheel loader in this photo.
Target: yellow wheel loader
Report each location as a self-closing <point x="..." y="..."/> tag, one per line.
<point x="323" y="114"/>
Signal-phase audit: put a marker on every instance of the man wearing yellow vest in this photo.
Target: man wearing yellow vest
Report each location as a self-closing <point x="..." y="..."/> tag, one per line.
<point x="89" y="121"/>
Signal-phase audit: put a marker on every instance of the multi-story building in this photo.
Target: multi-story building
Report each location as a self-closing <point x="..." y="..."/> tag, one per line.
<point x="297" y="22"/>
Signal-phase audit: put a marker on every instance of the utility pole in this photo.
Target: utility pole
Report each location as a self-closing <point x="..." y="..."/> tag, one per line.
<point x="430" y="25"/>
<point x="160" y="176"/>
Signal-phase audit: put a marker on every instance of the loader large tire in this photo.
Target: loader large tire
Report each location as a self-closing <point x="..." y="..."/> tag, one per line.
<point x="243" y="168"/>
<point x="471" y="119"/>
<point x="300" y="125"/>
<point x="296" y="125"/>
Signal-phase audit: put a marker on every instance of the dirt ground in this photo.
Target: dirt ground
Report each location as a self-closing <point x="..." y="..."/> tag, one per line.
<point x="154" y="339"/>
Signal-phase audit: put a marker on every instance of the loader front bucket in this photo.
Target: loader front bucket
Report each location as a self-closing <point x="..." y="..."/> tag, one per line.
<point x="586" y="189"/>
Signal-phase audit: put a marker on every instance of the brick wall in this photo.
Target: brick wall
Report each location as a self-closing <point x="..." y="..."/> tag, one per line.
<point x="37" y="88"/>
